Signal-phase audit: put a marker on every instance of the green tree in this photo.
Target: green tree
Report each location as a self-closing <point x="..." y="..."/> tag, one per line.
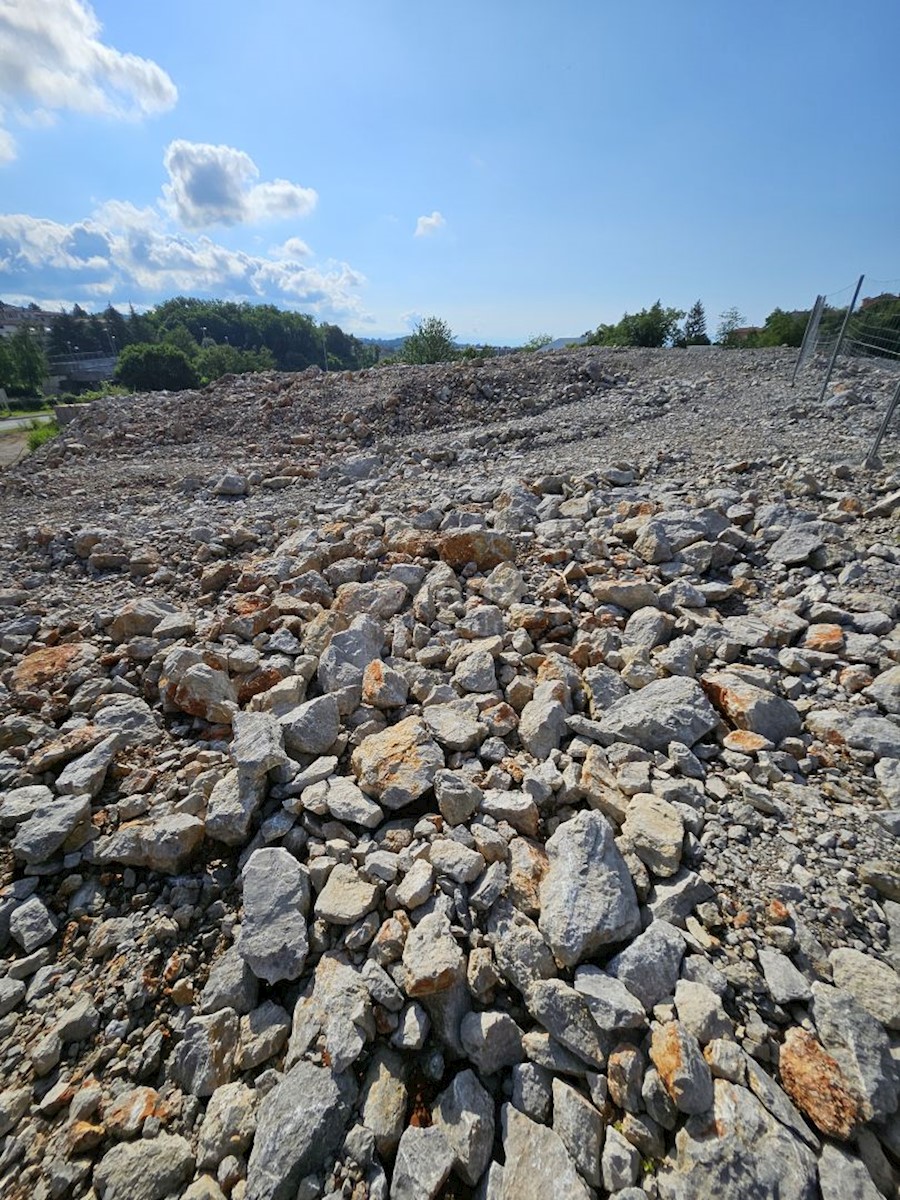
<point x="155" y="367"/>
<point x="537" y="341"/>
<point x="431" y="341"/>
<point x="694" y="331"/>
<point x="7" y="370"/>
<point x="179" y="335"/>
<point x="215" y="361"/>
<point x="28" y="366"/>
<point x="651" y="327"/>
<point x="730" y="321"/>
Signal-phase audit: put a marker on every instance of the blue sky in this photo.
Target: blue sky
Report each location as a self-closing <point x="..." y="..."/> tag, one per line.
<point x="510" y="166"/>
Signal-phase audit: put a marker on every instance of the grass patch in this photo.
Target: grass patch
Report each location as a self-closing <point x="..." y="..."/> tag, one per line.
<point x="40" y="432"/>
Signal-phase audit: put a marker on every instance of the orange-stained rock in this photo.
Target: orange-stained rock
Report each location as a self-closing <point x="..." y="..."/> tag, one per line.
<point x="826" y="638"/>
<point x="49" y="665"/>
<point x="415" y="543"/>
<point x="69" y="745"/>
<point x="398" y="765"/>
<point x="484" y="547"/>
<point x="84" y="1135"/>
<point x="816" y="1084"/>
<point x="743" y="741"/>
<point x="528" y="864"/>
<point x="127" y="1115"/>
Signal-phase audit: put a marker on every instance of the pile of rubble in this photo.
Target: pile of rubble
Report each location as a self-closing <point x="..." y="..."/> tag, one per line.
<point x="507" y="808"/>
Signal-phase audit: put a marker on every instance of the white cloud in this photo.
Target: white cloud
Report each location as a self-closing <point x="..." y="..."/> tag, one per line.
<point x="294" y="248"/>
<point x="426" y="226"/>
<point x="52" y="58"/>
<point x="214" y="185"/>
<point x="123" y="254"/>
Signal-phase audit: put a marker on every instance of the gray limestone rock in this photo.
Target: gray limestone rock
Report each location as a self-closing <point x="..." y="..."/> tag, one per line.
<point x="231" y="984"/>
<point x="144" y="1170"/>
<point x="273" y="939"/>
<point x="311" y="727"/>
<point x="424" y="1159"/>
<point x="345" y="897"/>
<point x="432" y="958"/>
<point x="650" y="965"/>
<point x="785" y="983"/>
<point x="621" y="1162"/>
<point x="492" y="1040"/>
<point x="566" y="1017"/>
<point x="668" y="710"/>
<point x="258" y="743"/>
<point x="521" y="953"/>
<point x="50" y="824"/>
<point x="233" y="803"/>
<point x="464" y="1112"/>
<point x="874" y="984"/>
<point x="611" y="1004"/>
<point x="843" y="1177"/>
<point x="581" y="1129"/>
<point x="204" y="1058"/>
<point x="85" y="776"/>
<point x="860" y="1046"/>
<point x="384" y="1098"/>
<point x="228" y="1126"/>
<point x="542" y="725"/>
<point x="885" y="690"/>
<point x="682" y="1068"/>
<point x="334" y="1012"/>
<point x="538" y="1164"/>
<point x="32" y="924"/>
<point x="587" y="896"/>
<point x="737" y="1151"/>
<point x="300" y="1124"/>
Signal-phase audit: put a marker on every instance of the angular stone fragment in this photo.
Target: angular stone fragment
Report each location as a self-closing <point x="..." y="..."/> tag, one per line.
<point x="204" y="1058"/>
<point x="258" y="743"/>
<point x="334" y="1013"/>
<point x="682" y="1068"/>
<point x="455" y="726"/>
<point x="860" y="1045"/>
<point x="818" y="1086"/>
<point x="785" y="983"/>
<point x="312" y="727"/>
<point x="492" y="1040"/>
<point x="522" y="954"/>
<point x="751" y="707"/>
<point x="231" y="984"/>
<point x="655" y="831"/>
<point x="484" y="547"/>
<point x="273" y="939"/>
<point x="701" y="1013"/>
<point x="346" y="896"/>
<point x="432" y="957"/>
<point x="620" y="1164"/>
<point x="581" y="1129"/>
<point x="49" y="826"/>
<point x="384" y="1098"/>
<point x="668" y="710"/>
<point x="300" y="1125"/>
<point x="649" y="966"/>
<point x="872" y="983"/>
<point x="144" y="1170"/>
<point x="542" y="725"/>
<point x="263" y="1032"/>
<point x="229" y="1124"/>
<point x="86" y="775"/>
<point x="32" y="924"/>
<point x="455" y="861"/>
<point x="566" y="1017"/>
<point x="587" y="896"/>
<point x="736" y="1151"/>
<point x="537" y="1162"/>
<point x="843" y="1177"/>
<point x="164" y="843"/>
<point x="399" y="765"/>
<point x="464" y="1112"/>
<point x="611" y="1004"/>
<point x="424" y="1160"/>
<point x="796" y="545"/>
<point x="232" y="805"/>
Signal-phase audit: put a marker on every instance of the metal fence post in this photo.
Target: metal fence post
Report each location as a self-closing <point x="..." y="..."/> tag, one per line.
<point x="809" y="335"/>
<point x="837" y="345"/>
<point x="872" y="459"/>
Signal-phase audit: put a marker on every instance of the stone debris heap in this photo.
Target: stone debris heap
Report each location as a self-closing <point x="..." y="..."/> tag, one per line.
<point x="420" y="828"/>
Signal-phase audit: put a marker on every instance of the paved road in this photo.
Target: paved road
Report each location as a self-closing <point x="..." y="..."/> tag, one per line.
<point x="9" y="424"/>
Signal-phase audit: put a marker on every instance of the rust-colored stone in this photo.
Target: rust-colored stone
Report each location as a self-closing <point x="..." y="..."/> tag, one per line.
<point x="818" y="1086"/>
<point x="826" y="638"/>
<point x="47" y="665"/>
<point x="486" y="548"/>
<point x="744" y="741"/>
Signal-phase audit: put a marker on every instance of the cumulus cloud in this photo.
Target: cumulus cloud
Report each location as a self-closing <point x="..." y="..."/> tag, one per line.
<point x="216" y="185"/>
<point x="124" y="254"/>
<point x="426" y="226"/>
<point x="52" y="58"/>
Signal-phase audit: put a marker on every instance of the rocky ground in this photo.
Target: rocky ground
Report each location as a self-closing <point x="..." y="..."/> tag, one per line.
<point x="468" y="781"/>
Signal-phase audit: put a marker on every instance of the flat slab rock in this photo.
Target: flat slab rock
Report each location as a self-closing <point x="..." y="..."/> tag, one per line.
<point x="667" y="710"/>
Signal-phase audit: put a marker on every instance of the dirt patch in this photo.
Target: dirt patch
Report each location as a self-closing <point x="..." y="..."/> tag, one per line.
<point x="13" y="447"/>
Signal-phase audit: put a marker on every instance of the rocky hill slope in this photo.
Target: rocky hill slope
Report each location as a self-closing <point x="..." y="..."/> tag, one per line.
<point x="479" y="780"/>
